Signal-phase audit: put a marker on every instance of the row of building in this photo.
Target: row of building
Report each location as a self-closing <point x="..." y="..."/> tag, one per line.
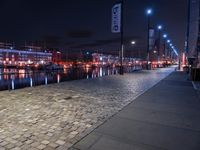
<point x="13" y="57"/>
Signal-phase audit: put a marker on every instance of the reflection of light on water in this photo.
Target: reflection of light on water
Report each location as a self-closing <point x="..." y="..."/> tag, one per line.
<point x="46" y="80"/>
<point x="104" y="72"/>
<point x="6" y="77"/>
<point x="65" y="71"/>
<point x="22" y="73"/>
<point x="101" y="72"/>
<point x="108" y="71"/>
<point x="87" y="69"/>
<point x="12" y="76"/>
<point x="58" y="78"/>
<point x="31" y="77"/>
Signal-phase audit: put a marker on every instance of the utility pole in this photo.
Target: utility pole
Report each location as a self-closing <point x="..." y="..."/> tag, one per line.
<point x="188" y="32"/>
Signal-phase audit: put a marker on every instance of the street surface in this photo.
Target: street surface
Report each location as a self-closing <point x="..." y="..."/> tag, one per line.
<point x="56" y="116"/>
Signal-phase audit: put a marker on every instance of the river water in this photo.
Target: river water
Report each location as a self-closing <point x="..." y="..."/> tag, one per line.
<point x="11" y="79"/>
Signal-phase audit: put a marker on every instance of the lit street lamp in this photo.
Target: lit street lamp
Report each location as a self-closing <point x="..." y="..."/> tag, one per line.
<point x="148" y="12"/>
<point x="164" y="36"/>
<point x="165" y="52"/>
<point x="133" y="42"/>
<point x="159" y="30"/>
<point x="133" y="60"/>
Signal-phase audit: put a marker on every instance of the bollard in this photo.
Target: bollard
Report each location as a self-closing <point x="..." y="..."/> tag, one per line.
<point x="58" y="78"/>
<point x="31" y="82"/>
<point x="13" y="84"/>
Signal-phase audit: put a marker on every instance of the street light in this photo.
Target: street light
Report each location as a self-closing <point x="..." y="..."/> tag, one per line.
<point x="159" y="29"/>
<point x="165" y="52"/>
<point x="133" y="60"/>
<point x="133" y="42"/>
<point x="148" y="12"/>
<point x="164" y="36"/>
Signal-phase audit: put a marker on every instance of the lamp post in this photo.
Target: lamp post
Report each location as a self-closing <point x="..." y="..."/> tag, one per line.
<point x="148" y="12"/>
<point x="159" y="30"/>
<point x="164" y="51"/>
<point x="133" y="43"/>
<point x="122" y="38"/>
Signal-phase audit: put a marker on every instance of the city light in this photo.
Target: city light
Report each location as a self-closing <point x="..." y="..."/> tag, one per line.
<point x="159" y="27"/>
<point x="133" y="42"/>
<point x="149" y="11"/>
<point x="168" y="41"/>
<point x="164" y="35"/>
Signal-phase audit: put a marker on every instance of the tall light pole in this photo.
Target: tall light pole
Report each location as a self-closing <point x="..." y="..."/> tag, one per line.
<point x="159" y="30"/>
<point x="188" y="31"/>
<point x="122" y="38"/>
<point x="168" y="42"/>
<point x="148" y="12"/>
<point x="133" y="43"/>
<point x="165" y="52"/>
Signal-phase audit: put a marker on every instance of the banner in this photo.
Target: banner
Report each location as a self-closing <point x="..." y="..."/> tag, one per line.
<point x="116" y="19"/>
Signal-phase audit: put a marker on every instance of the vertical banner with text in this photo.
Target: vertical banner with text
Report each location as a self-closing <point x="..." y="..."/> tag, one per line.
<point x="116" y="19"/>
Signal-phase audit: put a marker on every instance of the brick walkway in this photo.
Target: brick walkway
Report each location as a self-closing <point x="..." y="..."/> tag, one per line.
<point x="58" y="115"/>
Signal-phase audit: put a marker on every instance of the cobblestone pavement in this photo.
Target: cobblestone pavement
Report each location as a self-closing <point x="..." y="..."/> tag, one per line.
<point x="57" y="115"/>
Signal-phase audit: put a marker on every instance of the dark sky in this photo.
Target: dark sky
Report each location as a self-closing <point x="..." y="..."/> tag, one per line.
<point x="86" y="24"/>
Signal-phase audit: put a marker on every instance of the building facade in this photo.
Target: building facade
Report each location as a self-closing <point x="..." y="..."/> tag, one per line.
<point x="11" y="57"/>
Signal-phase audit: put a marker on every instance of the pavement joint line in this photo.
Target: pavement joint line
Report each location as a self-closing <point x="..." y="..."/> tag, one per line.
<point x="131" y="142"/>
<point x="95" y="141"/>
<point x="154" y="123"/>
<point x="162" y="111"/>
<point x="174" y="104"/>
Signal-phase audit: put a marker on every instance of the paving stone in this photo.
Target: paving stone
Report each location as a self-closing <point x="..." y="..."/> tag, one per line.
<point x="42" y="146"/>
<point x="25" y="147"/>
<point x="45" y="142"/>
<point x="35" y="144"/>
<point x="53" y="145"/>
<point x="2" y="148"/>
<point x="60" y="142"/>
<point x="19" y="144"/>
<point x="16" y="148"/>
<point x="29" y="141"/>
<point x="49" y="148"/>
<point x="10" y="146"/>
<point x="33" y="148"/>
<point x="4" y="143"/>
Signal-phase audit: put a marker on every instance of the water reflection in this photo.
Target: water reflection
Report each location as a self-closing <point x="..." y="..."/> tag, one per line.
<point x="11" y="79"/>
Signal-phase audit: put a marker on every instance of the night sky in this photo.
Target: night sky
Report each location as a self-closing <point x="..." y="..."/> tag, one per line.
<point x="86" y="24"/>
